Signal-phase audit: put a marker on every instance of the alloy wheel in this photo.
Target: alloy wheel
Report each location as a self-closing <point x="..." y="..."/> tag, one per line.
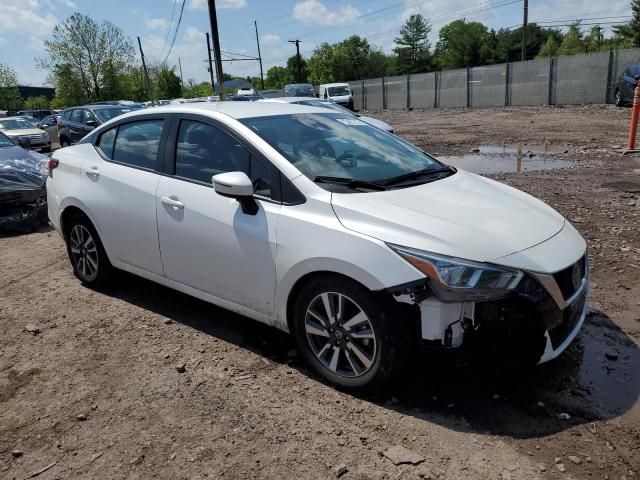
<point x="340" y="334"/>
<point x="84" y="252"/>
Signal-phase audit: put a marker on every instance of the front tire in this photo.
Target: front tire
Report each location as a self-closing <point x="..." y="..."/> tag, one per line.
<point x="346" y="335"/>
<point x="87" y="255"/>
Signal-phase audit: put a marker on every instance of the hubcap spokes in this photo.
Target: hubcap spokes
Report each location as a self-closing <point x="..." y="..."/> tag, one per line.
<point x="84" y="252"/>
<point x="340" y="334"/>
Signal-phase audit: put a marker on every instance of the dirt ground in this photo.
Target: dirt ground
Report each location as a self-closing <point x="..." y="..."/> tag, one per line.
<point x="96" y="394"/>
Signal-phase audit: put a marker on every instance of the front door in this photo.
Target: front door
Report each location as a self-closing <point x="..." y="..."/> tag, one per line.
<point x="206" y="240"/>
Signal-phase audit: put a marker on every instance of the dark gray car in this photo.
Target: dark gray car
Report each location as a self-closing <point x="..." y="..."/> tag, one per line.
<point x="627" y="84"/>
<point x="76" y="122"/>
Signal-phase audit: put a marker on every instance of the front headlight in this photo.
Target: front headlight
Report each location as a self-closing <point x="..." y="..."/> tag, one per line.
<point x="455" y="279"/>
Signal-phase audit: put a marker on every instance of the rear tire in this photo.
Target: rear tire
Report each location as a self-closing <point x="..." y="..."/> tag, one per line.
<point x="64" y="143"/>
<point x="346" y="335"/>
<point x="619" y="99"/>
<point x="87" y="255"/>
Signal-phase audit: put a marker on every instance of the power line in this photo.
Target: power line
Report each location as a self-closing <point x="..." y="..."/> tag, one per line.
<point x="166" y="38"/>
<point x="175" y="33"/>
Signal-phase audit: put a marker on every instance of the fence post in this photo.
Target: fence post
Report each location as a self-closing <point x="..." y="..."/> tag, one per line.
<point x="550" y="95"/>
<point x="435" y="90"/>
<point x="468" y="87"/>
<point x="384" y="95"/>
<point x="408" y="91"/>
<point x="610" y="79"/>
<point x="507" y="80"/>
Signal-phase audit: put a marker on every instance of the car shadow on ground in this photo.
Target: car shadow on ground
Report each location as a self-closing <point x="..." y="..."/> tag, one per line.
<point x="596" y="378"/>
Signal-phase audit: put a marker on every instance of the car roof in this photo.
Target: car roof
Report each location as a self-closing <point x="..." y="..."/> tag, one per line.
<point x="98" y="107"/>
<point x="236" y="110"/>
<point x="15" y="117"/>
<point x="291" y="99"/>
<point x="336" y="84"/>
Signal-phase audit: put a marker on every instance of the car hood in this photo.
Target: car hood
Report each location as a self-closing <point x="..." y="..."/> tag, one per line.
<point x="376" y="123"/>
<point x="464" y="216"/>
<point x="23" y="132"/>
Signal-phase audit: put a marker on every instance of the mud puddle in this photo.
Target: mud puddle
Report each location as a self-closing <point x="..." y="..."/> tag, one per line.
<point x="509" y="158"/>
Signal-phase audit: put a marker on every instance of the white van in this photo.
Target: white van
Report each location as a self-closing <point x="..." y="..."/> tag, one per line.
<point x="338" y="93"/>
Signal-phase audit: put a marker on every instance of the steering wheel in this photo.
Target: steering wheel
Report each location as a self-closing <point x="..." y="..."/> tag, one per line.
<point x="320" y="149"/>
<point x="347" y="160"/>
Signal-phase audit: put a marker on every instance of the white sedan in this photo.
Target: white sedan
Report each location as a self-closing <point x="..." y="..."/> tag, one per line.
<point x="319" y="224"/>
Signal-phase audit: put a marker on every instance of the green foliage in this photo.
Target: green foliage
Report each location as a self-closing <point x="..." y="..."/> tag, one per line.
<point x="277" y="78"/>
<point x="352" y="59"/>
<point x="9" y="94"/>
<point x="87" y="60"/>
<point x="166" y="84"/>
<point x="37" y="103"/>
<point x="549" y="48"/>
<point x="412" y="46"/>
<point x="292" y="68"/>
<point x="462" y="44"/>
<point x="573" y="41"/>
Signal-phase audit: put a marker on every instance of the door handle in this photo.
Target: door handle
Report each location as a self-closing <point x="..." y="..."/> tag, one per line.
<point x="93" y="172"/>
<point x="173" y="202"/>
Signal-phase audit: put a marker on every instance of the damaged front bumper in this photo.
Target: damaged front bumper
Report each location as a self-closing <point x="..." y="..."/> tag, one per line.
<point x="538" y="320"/>
<point x="23" y="210"/>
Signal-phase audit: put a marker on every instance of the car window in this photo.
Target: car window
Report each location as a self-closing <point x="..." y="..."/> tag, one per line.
<point x="67" y="114"/>
<point x="108" y="113"/>
<point x="87" y="115"/>
<point x="204" y="150"/>
<point x="107" y="141"/>
<point x="76" y="115"/>
<point x="137" y="143"/>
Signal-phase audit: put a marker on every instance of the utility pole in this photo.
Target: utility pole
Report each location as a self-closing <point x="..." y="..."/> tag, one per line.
<point x="181" y="79"/>
<point x="259" y="56"/>
<point x="213" y="83"/>
<point x="297" y="42"/>
<point x="146" y="74"/>
<point x="525" y="22"/>
<point x="213" y="19"/>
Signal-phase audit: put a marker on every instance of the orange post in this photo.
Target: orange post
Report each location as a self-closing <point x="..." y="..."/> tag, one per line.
<point x="635" y="114"/>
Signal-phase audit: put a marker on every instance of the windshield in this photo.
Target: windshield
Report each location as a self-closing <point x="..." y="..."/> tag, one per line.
<point x="105" y="114"/>
<point x="15" y="124"/>
<point x="338" y="91"/>
<point x="303" y="90"/>
<point x="5" y="141"/>
<point x="336" y="145"/>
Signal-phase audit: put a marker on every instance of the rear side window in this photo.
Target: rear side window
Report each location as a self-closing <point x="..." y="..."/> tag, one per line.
<point x="67" y="114"/>
<point x="107" y="142"/>
<point x="76" y="116"/>
<point x="137" y="143"/>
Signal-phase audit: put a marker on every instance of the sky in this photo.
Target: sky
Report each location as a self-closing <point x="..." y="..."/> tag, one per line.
<point x="25" y="24"/>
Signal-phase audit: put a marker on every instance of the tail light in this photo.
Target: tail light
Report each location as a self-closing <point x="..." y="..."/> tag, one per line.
<point x="52" y="164"/>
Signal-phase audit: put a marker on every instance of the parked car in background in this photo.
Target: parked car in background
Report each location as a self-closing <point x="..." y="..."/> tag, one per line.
<point x="626" y="85"/>
<point x="246" y="98"/>
<point x="34" y="113"/>
<point x="21" y="127"/>
<point x="339" y="93"/>
<point x="316" y="102"/>
<point x="246" y="91"/>
<point x="23" y="175"/>
<point x="299" y="90"/>
<point x="50" y="125"/>
<point x="124" y="103"/>
<point x="313" y="221"/>
<point x="74" y="123"/>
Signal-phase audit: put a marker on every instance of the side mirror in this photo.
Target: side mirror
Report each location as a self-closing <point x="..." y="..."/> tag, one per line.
<point x="24" y="142"/>
<point x="236" y="185"/>
<point x="91" y="123"/>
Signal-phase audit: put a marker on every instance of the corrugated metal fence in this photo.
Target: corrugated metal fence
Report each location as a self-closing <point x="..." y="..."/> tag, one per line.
<point x="574" y="79"/>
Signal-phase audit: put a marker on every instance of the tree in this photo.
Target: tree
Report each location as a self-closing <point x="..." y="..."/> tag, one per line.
<point x="628" y="35"/>
<point x="549" y="48"/>
<point x="292" y="68"/>
<point x="573" y="41"/>
<point x="594" y="41"/>
<point x="278" y="77"/>
<point x="462" y="44"/>
<point x="412" y="46"/>
<point x="89" y="55"/>
<point x="166" y="84"/>
<point x="9" y="95"/>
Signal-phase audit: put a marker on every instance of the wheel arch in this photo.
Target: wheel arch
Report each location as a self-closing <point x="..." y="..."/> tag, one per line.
<point x="71" y="207"/>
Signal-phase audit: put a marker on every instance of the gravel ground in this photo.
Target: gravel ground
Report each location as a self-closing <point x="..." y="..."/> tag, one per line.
<point x="97" y="392"/>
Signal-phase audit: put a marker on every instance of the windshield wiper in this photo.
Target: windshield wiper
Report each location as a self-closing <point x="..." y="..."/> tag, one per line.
<point x="427" y="172"/>
<point x="349" y="182"/>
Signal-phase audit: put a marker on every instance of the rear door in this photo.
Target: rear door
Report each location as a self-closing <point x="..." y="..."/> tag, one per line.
<point x="121" y="181"/>
<point x="207" y="241"/>
<point x="76" y="125"/>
